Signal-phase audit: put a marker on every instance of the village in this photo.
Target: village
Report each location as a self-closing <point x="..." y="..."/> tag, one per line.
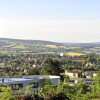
<point x="76" y="68"/>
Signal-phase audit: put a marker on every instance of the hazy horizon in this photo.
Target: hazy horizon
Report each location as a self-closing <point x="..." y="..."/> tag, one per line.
<point x="75" y="21"/>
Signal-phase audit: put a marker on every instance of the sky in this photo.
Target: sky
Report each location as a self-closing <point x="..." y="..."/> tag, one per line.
<point x="52" y="20"/>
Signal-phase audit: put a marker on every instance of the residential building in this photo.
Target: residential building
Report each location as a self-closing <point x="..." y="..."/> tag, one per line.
<point x="72" y="74"/>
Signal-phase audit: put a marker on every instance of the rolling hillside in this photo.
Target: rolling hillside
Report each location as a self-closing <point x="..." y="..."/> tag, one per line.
<point x="36" y="46"/>
<point x="18" y="45"/>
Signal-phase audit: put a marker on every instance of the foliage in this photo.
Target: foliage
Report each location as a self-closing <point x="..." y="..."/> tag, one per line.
<point x="51" y="67"/>
<point x="29" y="97"/>
<point x="6" y="93"/>
<point x="44" y="82"/>
<point x="62" y="92"/>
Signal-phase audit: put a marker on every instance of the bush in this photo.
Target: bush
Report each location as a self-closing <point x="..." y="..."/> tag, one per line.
<point x="29" y="97"/>
<point x="59" y="96"/>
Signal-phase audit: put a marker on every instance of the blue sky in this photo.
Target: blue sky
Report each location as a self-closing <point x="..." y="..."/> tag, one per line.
<point x="53" y="20"/>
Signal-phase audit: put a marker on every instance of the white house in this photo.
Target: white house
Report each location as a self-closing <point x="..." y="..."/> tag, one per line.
<point x="72" y="74"/>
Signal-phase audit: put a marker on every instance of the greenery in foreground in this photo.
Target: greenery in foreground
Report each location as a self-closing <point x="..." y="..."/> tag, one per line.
<point x="63" y="91"/>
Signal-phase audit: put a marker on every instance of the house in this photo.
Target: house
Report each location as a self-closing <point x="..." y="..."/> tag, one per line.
<point x="89" y="64"/>
<point x="90" y="74"/>
<point x="72" y="74"/>
<point x="95" y="74"/>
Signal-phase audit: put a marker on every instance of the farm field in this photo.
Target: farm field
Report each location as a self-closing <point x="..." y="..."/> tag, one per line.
<point x="74" y="54"/>
<point x="20" y="46"/>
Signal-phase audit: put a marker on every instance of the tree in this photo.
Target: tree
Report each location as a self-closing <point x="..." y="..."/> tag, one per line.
<point x="51" y="67"/>
<point x="33" y="71"/>
<point x="49" y="92"/>
<point x="95" y="86"/>
<point x="44" y="82"/>
<point x="6" y="93"/>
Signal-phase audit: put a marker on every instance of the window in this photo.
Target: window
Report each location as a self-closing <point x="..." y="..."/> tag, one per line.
<point x="16" y="86"/>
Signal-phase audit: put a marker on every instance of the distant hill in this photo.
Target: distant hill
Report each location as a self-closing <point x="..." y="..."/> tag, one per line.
<point x="28" y="41"/>
<point x="29" y="45"/>
<point x="95" y="44"/>
<point x="18" y="45"/>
